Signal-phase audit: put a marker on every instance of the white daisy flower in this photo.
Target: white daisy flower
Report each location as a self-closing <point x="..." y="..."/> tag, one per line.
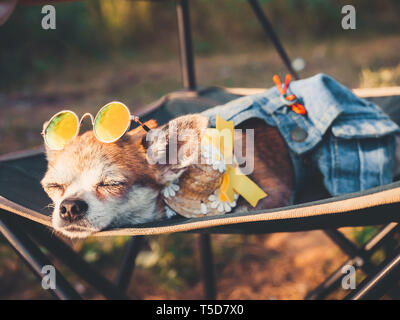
<point x="213" y="157"/>
<point x="221" y="206"/>
<point x="203" y="208"/>
<point x="170" y="189"/>
<point x="169" y="212"/>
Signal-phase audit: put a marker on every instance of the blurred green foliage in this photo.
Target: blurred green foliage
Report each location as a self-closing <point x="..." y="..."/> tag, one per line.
<point x="95" y="29"/>
<point x="363" y="234"/>
<point x="172" y="260"/>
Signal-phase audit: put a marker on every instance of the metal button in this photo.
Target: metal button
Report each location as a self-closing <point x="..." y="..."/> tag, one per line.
<point x="298" y="134"/>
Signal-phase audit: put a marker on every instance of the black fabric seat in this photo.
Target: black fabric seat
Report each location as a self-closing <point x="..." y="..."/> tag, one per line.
<point x="21" y="192"/>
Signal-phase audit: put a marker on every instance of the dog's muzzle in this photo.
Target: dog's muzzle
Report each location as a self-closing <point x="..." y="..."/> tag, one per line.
<point x="73" y="209"/>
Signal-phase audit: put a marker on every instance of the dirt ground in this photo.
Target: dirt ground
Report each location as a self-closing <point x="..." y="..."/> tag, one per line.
<point x="281" y="266"/>
<point x="276" y="266"/>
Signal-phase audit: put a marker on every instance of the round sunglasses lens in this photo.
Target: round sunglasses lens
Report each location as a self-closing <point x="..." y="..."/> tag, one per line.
<point x="111" y="122"/>
<point x="61" y="129"/>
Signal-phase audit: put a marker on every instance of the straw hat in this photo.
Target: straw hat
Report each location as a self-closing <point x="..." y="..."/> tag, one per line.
<point x="196" y="185"/>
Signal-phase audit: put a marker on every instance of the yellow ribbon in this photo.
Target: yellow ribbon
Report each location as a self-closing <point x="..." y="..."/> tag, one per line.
<point x="234" y="180"/>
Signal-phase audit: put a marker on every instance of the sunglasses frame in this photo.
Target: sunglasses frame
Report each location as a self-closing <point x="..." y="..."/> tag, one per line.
<point x="132" y="117"/>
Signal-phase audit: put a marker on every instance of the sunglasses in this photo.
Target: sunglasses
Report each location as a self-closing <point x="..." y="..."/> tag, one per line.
<point x="110" y="124"/>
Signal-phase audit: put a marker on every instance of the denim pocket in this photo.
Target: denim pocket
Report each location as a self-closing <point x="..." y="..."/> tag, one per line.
<point x="355" y="164"/>
<point x="369" y="126"/>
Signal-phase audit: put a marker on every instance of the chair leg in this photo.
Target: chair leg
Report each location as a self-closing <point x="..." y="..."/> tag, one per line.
<point x="128" y="262"/>
<point x="207" y="267"/>
<point x="331" y="283"/>
<point x="72" y="260"/>
<point x="266" y="25"/>
<point x="334" y="280"/>
<point x="185" y="44"/>
<point x="351" y="250"/>
<point x="35" y="259"/>
<point x="376" y="285"/>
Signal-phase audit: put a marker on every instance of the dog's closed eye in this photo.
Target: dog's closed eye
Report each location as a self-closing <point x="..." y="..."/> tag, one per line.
<point x="111" y="183"/>
<point x="54" y="188"/>
<point x="111" y="187"/>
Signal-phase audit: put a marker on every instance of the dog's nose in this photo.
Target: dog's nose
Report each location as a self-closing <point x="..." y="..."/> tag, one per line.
<point x="73" y="209"/>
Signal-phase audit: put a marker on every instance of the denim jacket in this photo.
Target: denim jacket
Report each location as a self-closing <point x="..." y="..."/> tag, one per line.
<point x="349" y="139"/>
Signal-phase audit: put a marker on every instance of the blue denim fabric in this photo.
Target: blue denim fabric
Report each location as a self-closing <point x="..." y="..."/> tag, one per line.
<point x="349" y="139"/>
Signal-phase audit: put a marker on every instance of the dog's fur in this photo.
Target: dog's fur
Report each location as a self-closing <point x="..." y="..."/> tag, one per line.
<point x="120" y="185"/>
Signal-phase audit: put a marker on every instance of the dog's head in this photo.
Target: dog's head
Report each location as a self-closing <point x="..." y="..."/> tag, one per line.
<point x="95" y="185"/>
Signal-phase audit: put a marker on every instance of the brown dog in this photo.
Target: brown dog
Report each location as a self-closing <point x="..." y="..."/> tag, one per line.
<point x="95" y="185"/>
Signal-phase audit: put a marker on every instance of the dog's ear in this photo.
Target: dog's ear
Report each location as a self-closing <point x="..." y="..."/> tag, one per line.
<point x="175" y="146"/>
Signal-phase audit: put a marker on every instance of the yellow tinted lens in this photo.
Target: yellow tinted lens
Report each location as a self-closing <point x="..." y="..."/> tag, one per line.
<point x="61" y="129"/>
<point x="111" y="122"/>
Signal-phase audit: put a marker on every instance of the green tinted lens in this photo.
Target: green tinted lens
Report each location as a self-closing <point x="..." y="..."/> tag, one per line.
<point x="61" y="129"/>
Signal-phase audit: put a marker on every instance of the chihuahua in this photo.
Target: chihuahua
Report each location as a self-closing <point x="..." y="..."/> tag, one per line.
<point x="96" y="185"/>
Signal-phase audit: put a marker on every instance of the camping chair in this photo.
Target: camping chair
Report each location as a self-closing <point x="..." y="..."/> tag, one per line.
<point x="25" y="220"/>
